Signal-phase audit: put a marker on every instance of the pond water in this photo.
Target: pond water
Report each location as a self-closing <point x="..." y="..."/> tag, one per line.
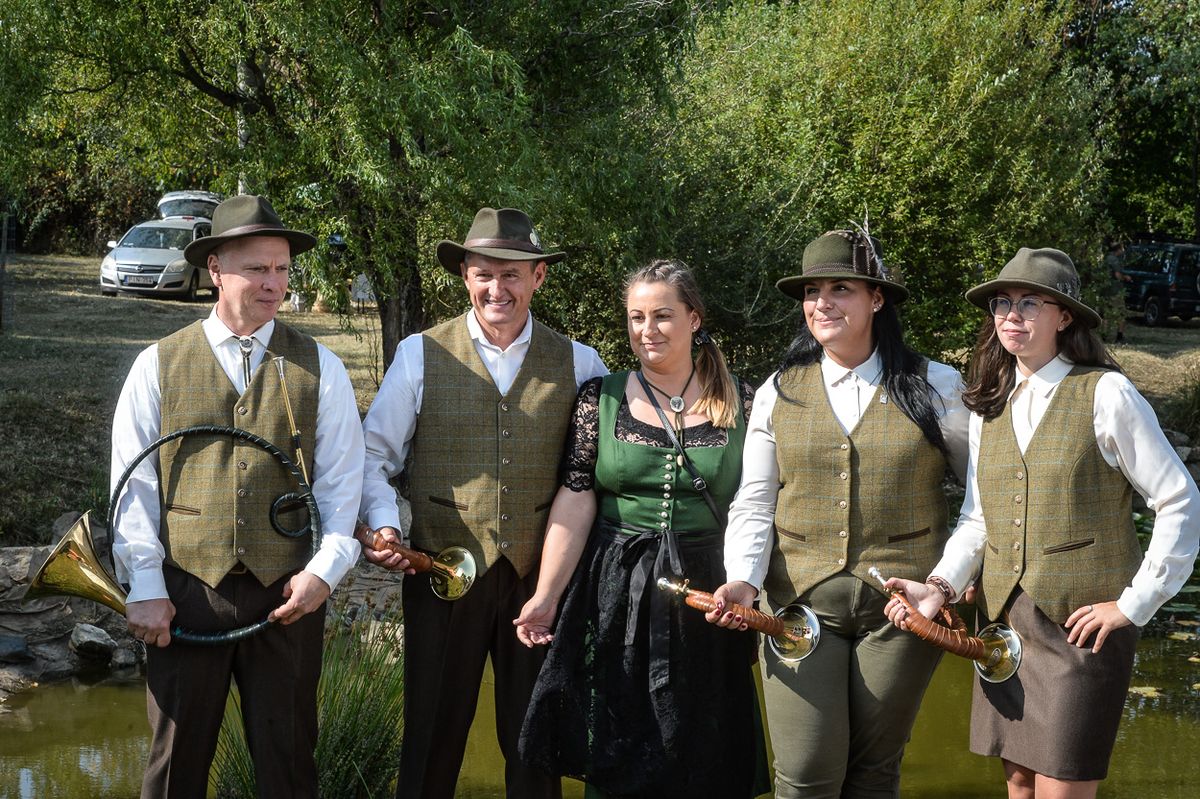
<point x="78" y="741"/>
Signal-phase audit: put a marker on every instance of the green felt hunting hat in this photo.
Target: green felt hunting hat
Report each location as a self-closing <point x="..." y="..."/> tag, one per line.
<point x="844" y="254"/>
<point x="241" y="216"/>
<point x="506" y="234"/>
<point x="1045" y="271"/>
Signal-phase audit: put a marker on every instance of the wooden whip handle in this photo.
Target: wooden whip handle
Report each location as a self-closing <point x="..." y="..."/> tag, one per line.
<point x="755" y="619"/>
<point x="419" y="561"/>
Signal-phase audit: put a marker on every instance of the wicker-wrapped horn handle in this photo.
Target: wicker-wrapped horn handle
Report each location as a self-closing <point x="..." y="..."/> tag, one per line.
<point x="419" y="561"/>
<point x="949" y="632"/>
<point x="755" y="619"/>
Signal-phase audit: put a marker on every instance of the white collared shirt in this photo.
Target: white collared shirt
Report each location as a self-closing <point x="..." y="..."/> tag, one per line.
<point x="751" y="531"/>
<point x="1131" y="440"/>
<point x="337" y="461"/>
<point x="392" y="418"/>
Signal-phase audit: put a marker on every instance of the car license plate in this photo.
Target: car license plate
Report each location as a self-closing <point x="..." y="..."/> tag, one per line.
<point x="141" y="280"/>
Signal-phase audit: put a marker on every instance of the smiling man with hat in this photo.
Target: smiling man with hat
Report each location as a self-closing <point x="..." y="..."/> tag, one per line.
<point x="194" y="537"/>
<point x="475" y="410"/>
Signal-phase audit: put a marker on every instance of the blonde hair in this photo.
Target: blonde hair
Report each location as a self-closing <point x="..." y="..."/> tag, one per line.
<point x="718" y="396"/>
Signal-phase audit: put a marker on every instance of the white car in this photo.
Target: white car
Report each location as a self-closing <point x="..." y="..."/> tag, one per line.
<point x="149" y="259"/>
<point x="188" y="203"/>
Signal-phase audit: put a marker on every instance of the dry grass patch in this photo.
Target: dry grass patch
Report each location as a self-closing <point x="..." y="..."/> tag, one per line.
<point x="65" y="350"/>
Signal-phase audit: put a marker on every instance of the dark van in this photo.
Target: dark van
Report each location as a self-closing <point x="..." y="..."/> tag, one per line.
<point x="1163" y="280"/>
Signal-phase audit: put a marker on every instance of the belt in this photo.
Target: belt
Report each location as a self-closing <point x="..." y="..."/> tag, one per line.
<point x="649" y="555"/>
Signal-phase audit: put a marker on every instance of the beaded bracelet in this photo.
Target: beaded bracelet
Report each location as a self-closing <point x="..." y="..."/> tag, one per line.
<point x="946" y="590"/>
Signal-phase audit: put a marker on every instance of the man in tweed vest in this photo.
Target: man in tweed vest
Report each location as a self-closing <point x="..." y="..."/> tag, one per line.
<point x="194" y="536"/>
<point x="476" y="411"/>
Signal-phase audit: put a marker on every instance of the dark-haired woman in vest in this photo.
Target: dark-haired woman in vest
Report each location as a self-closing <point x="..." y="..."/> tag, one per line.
<point x="846" y="452"/>
<point x="638" y="695"/>
<point x="1060" y="439"/>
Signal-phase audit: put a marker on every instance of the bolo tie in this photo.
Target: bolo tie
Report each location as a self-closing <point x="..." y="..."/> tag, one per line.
<point x="246" y="345"/>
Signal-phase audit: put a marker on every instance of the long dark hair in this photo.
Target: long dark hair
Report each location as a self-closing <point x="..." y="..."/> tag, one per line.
<point x="904" y="371"/>
<point x="991" y="379"/>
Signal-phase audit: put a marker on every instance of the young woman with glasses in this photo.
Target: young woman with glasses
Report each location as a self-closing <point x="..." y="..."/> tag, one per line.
<point x="1059" y="441"/>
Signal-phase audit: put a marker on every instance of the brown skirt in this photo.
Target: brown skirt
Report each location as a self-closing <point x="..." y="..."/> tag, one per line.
<point x="1058" y="715"/>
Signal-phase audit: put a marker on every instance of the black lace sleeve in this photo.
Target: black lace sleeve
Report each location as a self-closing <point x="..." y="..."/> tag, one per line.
<point x="577" y="468"/>
<point x="747" y="390"/>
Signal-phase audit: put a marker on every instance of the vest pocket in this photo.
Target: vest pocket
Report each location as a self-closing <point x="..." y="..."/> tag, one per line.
<point x="449" y="503"/>
<point x="183" y="509"/>
<point x="1067" y="547"/>
<point x="790" y="534"/>
<point x="892" y="539"/>
<point x="542" y="507"/>
<point x="995" y="550"/>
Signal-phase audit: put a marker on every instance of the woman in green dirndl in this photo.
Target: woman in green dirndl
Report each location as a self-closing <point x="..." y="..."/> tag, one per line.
<point x="639" y="696"/>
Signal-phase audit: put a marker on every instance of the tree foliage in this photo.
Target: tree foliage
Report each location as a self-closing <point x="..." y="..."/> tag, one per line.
<point x="958" y="129"/>
<point x="1151" y="50"/>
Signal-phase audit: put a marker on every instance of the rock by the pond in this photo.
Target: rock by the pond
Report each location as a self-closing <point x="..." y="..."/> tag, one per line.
<point x="46" y="624"/>
<point x="124" y="659"/>
<point x="92" y="643"/>
<point x="1176" y="438"/>
<point x="1184" y="453"/>
<point x="14" y="649"/>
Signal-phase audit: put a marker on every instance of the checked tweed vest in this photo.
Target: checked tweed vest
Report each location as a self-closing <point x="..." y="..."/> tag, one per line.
<point x="217" y="491"/>
<point x="849" y="502"/>
<point x="484" y="466"/>
<point x="1059" y="519"/>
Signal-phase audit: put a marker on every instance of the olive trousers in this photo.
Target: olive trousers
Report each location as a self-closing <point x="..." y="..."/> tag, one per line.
<point x="840" y="718"/>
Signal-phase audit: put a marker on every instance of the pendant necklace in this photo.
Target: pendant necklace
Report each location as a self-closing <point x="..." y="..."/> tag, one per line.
<point x="675" y="403"/>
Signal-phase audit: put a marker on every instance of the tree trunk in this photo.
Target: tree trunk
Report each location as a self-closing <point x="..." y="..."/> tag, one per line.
<point x="397" y="285"/>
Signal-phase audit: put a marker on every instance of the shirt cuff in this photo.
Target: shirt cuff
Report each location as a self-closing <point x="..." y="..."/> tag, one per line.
<point x="382" y="517"/>
<point x="146" y="584"/>
<point x="338" y="553"/>
<point x="1136" y="609"/>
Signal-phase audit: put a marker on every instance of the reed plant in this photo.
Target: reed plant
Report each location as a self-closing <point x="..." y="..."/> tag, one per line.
<point x="360" y="708"/>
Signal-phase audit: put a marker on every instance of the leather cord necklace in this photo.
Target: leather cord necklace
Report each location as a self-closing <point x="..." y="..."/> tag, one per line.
<point x="698" y="482"/>
<point x="674" y="402"/>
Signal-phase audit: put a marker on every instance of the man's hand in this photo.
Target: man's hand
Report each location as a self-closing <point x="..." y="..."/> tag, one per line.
<point x="735" y="593"/>
<point x="386" y="558"/>
<point x="304" y="593"/>
<point x="150" y="621"/>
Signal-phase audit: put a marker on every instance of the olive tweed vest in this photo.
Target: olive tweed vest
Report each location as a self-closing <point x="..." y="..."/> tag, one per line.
<point x="484" y="466"/>
<point x="217" y="491"/>
<point x="1059" y="519"/>
<point x="849" y="502"/>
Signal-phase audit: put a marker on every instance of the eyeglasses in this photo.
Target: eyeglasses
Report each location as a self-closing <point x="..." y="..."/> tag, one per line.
<point x="1028" y="308"/>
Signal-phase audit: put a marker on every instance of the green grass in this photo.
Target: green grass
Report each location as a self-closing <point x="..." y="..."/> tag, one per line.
<point x="361" y="710"/>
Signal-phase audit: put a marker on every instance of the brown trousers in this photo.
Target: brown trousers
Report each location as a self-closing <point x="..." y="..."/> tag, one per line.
<point x="446" y="645"/>
<point x="276" y="672"/>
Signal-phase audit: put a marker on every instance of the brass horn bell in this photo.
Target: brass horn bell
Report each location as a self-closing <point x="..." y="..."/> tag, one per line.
<point x="72" y="569"/>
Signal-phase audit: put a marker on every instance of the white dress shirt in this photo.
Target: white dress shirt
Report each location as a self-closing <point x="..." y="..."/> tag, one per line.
<point x="751" y="531"/>
<point x="1131" y="440"/>
<point x="337" y="459"/>
<point x="392" y="418"/>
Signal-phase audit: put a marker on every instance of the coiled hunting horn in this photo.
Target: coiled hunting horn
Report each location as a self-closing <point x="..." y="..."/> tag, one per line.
<point x="73" y="569"/>
<point x="996" y="651"/>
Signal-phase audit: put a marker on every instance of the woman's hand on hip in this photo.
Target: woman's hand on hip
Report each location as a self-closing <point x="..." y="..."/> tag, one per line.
<point x="536" y="621"/>
<point x="734" y="593"/>
<point x="1101" y="619"/>
<point x="925" y="598"/>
